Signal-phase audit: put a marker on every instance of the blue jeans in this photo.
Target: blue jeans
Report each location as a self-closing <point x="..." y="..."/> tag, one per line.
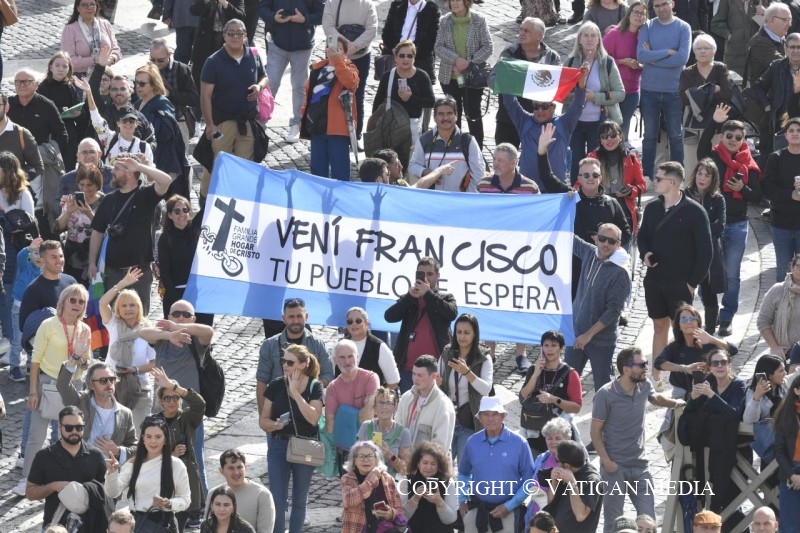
<point x="790" y="510"/>
<point x="298" y="61"/>
<point x="654" y="105"/>
<point x="627" y="107"/>
<point x="330" y="156"/>
<point x="786" y="243"/>
<point x="5" y="310"/>
<point x="199" y="455"/>
<point x="16" y="339"/>
<point x="734" y="240"/>
<point x="460" y="436"/>
<point x="405" y="381"/>
<point x="599" y="356"/>
<point x="184" y="39"/>
<point x="362" y="64"/>
<point x="279" y="472"/>
<point x="584" y="139"/>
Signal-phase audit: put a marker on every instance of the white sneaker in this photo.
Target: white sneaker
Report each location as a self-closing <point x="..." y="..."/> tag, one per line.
<point x="294" y="134"/>
<point x="20" y="462"/>
<point x="19" y="490"/>
<point x="5" y="345"/>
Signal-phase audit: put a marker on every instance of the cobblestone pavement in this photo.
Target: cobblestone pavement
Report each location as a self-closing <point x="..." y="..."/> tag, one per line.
<point x="36" y="37"/>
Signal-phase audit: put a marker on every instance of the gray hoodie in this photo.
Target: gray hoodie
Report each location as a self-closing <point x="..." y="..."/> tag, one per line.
<point x="603" y="288"/>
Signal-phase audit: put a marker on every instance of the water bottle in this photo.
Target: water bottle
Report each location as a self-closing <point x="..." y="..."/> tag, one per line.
<point x="461" y="80"/>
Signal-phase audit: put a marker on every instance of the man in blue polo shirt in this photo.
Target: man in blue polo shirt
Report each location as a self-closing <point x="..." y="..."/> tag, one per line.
<point x="618" y="435"/>
<point x="230" y="83"/>
<point x="493" y="471"/>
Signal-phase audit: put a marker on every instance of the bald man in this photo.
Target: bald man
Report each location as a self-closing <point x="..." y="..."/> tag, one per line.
<point x="764" y="521"/>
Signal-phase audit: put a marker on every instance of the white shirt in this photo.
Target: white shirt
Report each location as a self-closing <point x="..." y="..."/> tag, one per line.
<point x="148" y="484"/>
<point x="410" y="25"/>
<point x="385" y="361"/>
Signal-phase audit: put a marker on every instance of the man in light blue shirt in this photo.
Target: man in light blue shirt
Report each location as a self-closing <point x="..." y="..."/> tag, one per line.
<point x="494" y="473"/>
<point x="663" y="49"/>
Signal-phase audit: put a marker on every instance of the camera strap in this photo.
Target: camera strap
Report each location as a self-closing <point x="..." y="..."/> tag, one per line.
<point x="124" y="207"/>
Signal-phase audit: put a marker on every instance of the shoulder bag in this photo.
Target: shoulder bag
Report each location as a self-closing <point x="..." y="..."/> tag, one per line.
<point x="303" y="450"/>
<point x="385" y="62"/>
<point x="157" y="521"/>
<point x="212" y="379"/>
<point x="477" y="75"/>
<point x="351" y="32"/>
<point x="266" y="101"/>
<point x="535" y="414"/>
<point x="51" y="403"/>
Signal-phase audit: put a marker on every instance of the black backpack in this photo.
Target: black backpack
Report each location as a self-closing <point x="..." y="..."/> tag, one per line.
<point x="20" y="226"/>
<point x="212" y="379"/>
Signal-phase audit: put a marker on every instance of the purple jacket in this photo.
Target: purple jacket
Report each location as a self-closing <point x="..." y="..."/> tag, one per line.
<point x="622" y="46"/>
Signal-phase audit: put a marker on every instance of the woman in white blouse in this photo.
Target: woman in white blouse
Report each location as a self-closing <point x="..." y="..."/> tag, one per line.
<point x="466" y="372"/>
<point x="373" y="353"/>
<point x="153" y="478"/>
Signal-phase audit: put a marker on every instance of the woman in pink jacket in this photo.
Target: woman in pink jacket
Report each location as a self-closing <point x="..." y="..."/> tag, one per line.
<point x="85" y="34"/>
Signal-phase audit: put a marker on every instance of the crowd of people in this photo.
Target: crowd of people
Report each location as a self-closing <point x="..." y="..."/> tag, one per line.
<point x="96" y="194"/>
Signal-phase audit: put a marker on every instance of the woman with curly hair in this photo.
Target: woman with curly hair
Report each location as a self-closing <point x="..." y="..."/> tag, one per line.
<point x="428" y="498"/>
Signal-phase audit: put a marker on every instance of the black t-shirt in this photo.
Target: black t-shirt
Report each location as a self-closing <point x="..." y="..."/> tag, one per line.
<point x="561" y="507"/>
<point x="276" y="393"/>
<point x="54" y="463"/>
<point x="135" y="245"/>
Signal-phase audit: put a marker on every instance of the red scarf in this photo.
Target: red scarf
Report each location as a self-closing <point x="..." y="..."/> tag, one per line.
<point x="741" y="162"/>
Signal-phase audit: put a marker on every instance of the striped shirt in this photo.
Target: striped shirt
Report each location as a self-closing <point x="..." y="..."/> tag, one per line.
<point x="520" y="185"/>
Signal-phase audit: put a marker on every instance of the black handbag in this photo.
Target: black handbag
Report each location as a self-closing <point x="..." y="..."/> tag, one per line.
<point x="477" y="76"/>
<point x="156" y="521"/>
<point x="383" y="64"/>
<point x="535" y="414"/>
<point x="351" y="32"/>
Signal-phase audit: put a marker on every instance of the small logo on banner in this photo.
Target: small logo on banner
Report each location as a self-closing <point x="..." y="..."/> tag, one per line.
<point x="542" y="78"/>
<point x="225" y="246"/>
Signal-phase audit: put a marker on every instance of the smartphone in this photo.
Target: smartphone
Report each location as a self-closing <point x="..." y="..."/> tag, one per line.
<point x="698" y="376"/>
<point x="217" y="135"/>
<point x="80" y="198"/>
<point x="284" y="418"/>
<point x="420" y="275"/>
<point x="761" y="376"/>
<point x="402" y="84"/>
<point x="381" y="506"/>
<point x="738" y="176"/>
<point x="377" y="438"/>
<point x="332" y="43"/>
<point x="796" y="180"/>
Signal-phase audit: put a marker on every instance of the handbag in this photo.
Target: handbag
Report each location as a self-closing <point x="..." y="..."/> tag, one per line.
<point x="303" y="450"/>
<point x="157" y="521"/>
<point x="465" y="417"/>
<point x="477" y="76"/>
<point x="535" y="414"/>
<point x="351" y="32"/>
<point x="266" y="101"/>
<point x="51" y="403"/>
<point x="384" y="63"/>
<point x="9" y="13"/>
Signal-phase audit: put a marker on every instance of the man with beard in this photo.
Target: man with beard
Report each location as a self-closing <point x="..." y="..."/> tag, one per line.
<point x="126" y="215"/>
<point x="109" y="424"/>
<point x="69" y="459"/>
<point x="295" y="332"/>
<point x="618" y="435"/>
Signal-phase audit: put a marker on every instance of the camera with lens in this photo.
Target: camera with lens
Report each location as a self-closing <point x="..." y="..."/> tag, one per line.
<point x="115" y="230"/>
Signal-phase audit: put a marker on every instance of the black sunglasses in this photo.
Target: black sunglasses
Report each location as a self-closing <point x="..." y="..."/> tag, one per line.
<point x="609" y="135"/>
<point x="287" y="362"/>
<point x="184" y="314"/>
<point x="357" y="321"/>
<point x="587" y="175"/>
<point x="544" y="106"/>
<point x="105" y="380"/>
<point x="610" y="240"/>
<point x="730" y="136"/>
<point x="294" y="302"/>
<point x="179" y="210"/>
<point x="69" y="428"/>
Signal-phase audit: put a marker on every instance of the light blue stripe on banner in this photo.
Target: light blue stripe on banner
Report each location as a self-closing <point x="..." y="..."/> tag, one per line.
<point x="265" y="301"/>
<point x="238" y="178"/>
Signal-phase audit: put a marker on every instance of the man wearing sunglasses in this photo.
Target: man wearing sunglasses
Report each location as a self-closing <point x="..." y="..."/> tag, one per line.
<point x="603" y="288"/>
<point x="617" y="431"/>
<point x="295" y="331"/>
<point x="68" y="459"/>
<point x="180" y="86"/>
<point x="109" y="424"/>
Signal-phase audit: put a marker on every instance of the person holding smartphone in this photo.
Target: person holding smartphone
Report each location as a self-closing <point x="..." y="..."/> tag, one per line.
<point x="369" y="494"/>
<point x="740" y="184"/>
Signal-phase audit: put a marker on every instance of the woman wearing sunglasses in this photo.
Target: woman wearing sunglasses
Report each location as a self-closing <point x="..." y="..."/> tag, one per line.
<point x="686" y="354"/>
<point x="58" y="339"/>
<point x="176" y="249"/>
<point x="292" y="407"/>
<point x="621" y="171"/>
<point x="740" y="183"/>
<point x="155" y="484"/>
<point x="130" y="356"/>
<point x="373" y="353"/>
<point x="182" y="425"/>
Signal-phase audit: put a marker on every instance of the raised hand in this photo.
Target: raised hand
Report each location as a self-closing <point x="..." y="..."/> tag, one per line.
<point x="547" y="137"/>
<point x="721" y="113"/>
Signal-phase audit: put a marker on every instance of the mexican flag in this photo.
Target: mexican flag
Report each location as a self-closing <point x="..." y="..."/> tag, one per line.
<point x="542" y="83"/>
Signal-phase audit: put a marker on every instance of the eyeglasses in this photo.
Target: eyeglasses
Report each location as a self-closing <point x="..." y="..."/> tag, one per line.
<point x="128" y="120"/>
<point x="660" y="179"/>
<point x="288" y="362"/>
<point x="730" y="136"/>
<point x="610" y="240"/>
<point x="159" y="59"/>
<point x="79" y="301"/>
<point x="405" y="56"/>
<point x="69" y="428"/>
<point x="179" y="210"/>
<point x="184" y="314"/>
<point x="357" y="321"/>
<point x="140" y="83"/>
<point x="786" y="20"/>
<point x="687" y="319"/>
<point x="170" y="398"/>
<point x="117" y="89"/>
<point x="704" y="49"/>
<point x="294" y="302"/>
<point x="23" y="82"/>
<point x="544" y="106"/>
<point x="105" y="380"/>
<point x="639" y="13"/>
<point x="719" y="362"/>
<point x="233" y="34"/>
<point x="88" y="6"/>
<point x="587" y="175"/>
<point x="659" y="6"/>
<point x="365" y="456"/>
<point x="88" y="152"/>
<point x="793" y="47"/>
<point x="609" y="135"/>
<point x="643" y="364"/>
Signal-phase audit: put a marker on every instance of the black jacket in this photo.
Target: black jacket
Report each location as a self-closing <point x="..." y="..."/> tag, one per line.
<point x="441" y="310"/>
<point x="715" y="209"/>
<point x="42" y="119"/>
<point x="290" y="36"/>
<point x="205" y="42"/>
<point x="682" y="246"/>
<point x="425" y="38"/>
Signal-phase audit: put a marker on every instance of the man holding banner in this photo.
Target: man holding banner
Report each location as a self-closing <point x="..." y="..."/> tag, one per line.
<point x="426" y="314"/>
<point x="545" y="85"/>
